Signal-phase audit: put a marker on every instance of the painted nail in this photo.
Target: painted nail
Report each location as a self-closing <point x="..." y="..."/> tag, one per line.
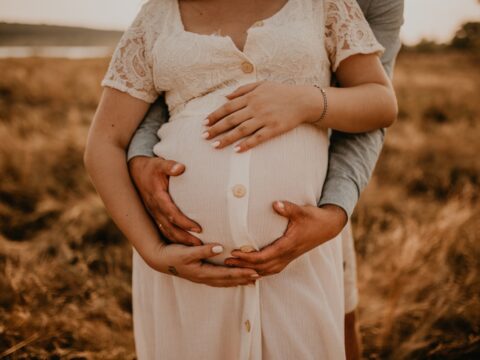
<point x="217" y="249"/>
<point x="237" y="148"/>
<point x="205" y="135"/>
<point x="216" y="144"/>
<point x="281" y="205"/>
<point x="176" y="167"/>
<point x="206" y="121"/>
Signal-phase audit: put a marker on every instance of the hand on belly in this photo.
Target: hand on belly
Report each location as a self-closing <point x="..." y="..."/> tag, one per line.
<point x="291" y="167"/>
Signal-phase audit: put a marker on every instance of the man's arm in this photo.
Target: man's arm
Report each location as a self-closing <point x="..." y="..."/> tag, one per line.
<point x="151" y="176"/>
<point x="145" y="136"/>
<point x="352" y="157"/>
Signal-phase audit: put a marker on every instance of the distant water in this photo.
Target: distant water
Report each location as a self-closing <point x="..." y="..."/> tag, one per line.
<point x="69" y="52"/>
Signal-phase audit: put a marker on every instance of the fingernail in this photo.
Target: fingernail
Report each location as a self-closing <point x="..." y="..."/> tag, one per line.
<point x="217" y="249"/>
<point x="205" y="135"/>
<point x="255" y="276"/>
<point x="176" y="167"/>
<point x="197" y="230"/>
<point x="237" y="148"/>
<point x="216" y="144"/>
<point x="206" y="122"/>
<point x="281" y="205"/>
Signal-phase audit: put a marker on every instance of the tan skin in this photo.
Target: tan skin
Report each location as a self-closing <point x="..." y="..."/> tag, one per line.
<point x="118" y="115"/>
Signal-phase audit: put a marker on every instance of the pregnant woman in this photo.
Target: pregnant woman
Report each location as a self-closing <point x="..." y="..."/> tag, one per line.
<point x="292" y="47"/>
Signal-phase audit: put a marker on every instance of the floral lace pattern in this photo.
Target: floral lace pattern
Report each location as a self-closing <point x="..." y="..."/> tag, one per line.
<point x="347" y="32"/>
<point x="300" y="44"/>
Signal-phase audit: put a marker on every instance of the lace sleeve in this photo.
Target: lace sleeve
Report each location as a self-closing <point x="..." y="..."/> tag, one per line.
<point x="347" y="32"/>
<point x="130" y="68"/>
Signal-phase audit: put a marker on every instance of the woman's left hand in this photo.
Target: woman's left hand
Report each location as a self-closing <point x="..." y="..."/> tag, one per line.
<point x="308" y="227"/>
<point x="260" y="111"/>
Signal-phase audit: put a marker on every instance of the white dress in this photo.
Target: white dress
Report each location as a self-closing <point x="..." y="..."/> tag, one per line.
<point x="297" y="314"/>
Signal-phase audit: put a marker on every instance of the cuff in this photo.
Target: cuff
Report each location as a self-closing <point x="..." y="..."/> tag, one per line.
<point x="341" y="192"/>
<point x="134" y="151"/>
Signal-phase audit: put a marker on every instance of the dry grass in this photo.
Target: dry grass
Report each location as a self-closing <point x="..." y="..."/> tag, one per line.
<point x="65" y="269"/>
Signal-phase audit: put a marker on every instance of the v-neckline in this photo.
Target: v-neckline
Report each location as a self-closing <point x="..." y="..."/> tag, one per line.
<point x="271" y="18"/>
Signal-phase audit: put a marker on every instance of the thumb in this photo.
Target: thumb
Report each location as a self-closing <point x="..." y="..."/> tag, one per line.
<point x="169" y="167"/>
<point x="204" y="251"/>
<point x="287" y="209"/>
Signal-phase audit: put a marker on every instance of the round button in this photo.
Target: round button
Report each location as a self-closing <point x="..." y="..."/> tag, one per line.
<point x="247" y="248"/>
<point x="239" y="191"/>
<point x="247" y="67"/>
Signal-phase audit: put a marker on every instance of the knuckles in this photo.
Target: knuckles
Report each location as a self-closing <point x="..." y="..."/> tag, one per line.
<point x="242" y="129"/>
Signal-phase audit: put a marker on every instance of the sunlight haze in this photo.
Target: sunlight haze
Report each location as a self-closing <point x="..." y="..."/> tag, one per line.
<point x="432" y="19"/>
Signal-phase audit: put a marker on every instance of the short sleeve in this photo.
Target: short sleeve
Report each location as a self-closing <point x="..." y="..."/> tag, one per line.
<point x="347" y="32"/>
<point x="131" y="66"/>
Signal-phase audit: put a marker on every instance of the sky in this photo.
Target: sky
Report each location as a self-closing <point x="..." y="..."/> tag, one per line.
<point x="430" y="19"/>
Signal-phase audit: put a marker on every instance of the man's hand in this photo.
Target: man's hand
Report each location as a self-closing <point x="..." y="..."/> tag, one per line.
<point x="308" y="227"/>
<point x="151" y="176"/>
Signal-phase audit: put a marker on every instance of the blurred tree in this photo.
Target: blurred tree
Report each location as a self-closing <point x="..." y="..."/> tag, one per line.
<point x="468" y="37"/>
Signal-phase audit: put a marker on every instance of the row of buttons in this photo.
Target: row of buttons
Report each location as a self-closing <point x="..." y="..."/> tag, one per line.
<point x="240" y="191"/>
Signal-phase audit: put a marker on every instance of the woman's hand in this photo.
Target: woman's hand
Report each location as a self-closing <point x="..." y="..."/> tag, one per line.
<point x="260" y="111"/>
<point x="188" y="263"/>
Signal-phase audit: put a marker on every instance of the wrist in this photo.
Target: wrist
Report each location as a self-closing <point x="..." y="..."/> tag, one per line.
<point x="138" y="163"/>
<point x="317" y="101"/>
<point x="338" y="215"/>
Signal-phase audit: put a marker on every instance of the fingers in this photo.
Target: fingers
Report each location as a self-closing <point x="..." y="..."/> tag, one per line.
<point x="245" y="128"/>
<point x="269" y="268"/>
<point x="198" y="253"/>
<point x="242" y="90"/>
<point x="288" y="209"/>
<point x="168" y="167"/>
<point x="229" y="122"/>
<point x="175" y="234"/>
<point x="257" y="138"/>
<point x="223" y="276"/>
<point x="267" y="254"/>
<point x="224" y="110"/>
<point x="166" y="207"/>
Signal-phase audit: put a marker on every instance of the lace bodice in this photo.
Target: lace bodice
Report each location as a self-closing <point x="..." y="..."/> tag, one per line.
<point x="303" y="43"/>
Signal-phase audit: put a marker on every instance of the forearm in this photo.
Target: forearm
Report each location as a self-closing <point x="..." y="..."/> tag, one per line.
<point x="106" y="165"/>
<point x="358" y="109"/>
<point x="352" y="158"/>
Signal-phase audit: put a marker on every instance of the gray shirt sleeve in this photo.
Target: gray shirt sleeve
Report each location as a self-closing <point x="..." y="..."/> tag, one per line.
<point x="352" y="157"/>
<point x="145" y="136"/>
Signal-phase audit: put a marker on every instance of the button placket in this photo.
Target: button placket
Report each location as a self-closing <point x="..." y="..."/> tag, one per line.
<point x="238" y="196"/>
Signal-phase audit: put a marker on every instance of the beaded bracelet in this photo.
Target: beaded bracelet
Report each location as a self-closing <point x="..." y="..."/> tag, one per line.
<point x="325" y="104"/>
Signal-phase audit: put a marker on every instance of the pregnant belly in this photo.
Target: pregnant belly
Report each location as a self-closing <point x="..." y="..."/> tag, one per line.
<point x="229" y="194"/>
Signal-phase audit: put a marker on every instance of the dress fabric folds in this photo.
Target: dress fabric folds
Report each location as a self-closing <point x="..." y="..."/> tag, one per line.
<point x="298" y="313"/>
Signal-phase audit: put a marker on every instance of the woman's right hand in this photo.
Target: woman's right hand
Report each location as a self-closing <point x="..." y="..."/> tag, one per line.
<point x="188" y="263"/>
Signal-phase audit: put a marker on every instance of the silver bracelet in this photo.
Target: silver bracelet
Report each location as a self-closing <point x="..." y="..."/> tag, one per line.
<point x="325" y="104"/>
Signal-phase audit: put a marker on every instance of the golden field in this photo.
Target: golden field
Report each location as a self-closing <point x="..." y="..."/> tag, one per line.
<point x="65" y="269"/>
